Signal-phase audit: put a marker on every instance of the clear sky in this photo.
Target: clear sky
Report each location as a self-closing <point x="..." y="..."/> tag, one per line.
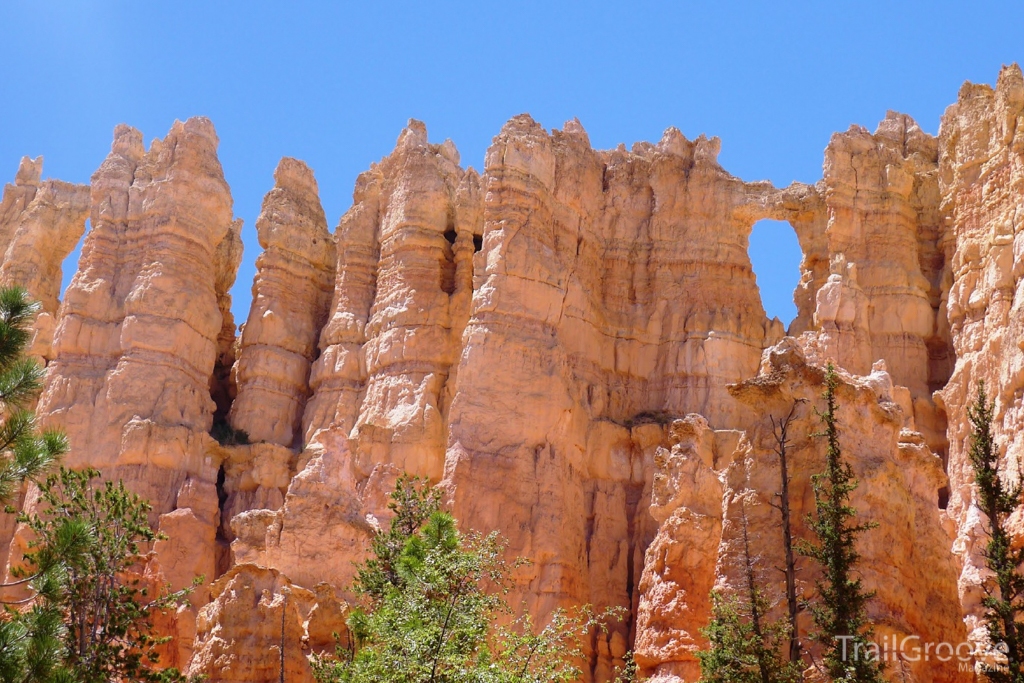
<point x="333" y="83"/>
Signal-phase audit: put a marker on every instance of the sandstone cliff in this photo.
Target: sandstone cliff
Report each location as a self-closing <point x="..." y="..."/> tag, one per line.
<point x="620" y="284"/>
<point x="291" y="294"/>
<point x="570" y="342"/>
<point x="139" y="333"/>
<point x="709" y="481"/>
<point x="981" y="178"/>
<point x="379" y="388"/>
<point x="876" y="269"/>
<point x="40" y="223"/>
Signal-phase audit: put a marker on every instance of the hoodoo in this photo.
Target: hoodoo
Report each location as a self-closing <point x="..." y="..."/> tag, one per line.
<point x="570" y="342"/>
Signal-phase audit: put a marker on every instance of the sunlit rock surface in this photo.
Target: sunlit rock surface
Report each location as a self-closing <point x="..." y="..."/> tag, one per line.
<point x="981" y="177"/>
<point x="41" y="221"/>
<point x="570" y="341"/>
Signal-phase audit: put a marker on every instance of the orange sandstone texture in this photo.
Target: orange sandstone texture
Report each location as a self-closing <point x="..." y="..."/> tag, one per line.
<point x="259" y="626"/>
<point x="381" y="385"/>
<point x="877" y="269"/>
<point x="291" y="295"/>
<point x="703" y="482"/>
<point x="570" y="342"/>
<point x="981" y="178"/>
<point x="140" y="333"/>
<point x="619" y="283"/>
<point x="40" y="223"/>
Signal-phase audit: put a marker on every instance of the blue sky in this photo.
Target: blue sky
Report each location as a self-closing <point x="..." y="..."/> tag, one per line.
<point x="333" y="83"/>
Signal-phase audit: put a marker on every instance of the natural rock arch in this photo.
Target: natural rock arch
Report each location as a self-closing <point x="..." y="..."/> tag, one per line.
<point x="775" y="256"/>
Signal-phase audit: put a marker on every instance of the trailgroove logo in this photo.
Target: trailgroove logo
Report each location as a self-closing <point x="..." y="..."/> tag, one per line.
<point x="913" y="649"/>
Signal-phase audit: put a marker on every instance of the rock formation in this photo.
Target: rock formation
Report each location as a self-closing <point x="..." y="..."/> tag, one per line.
<point x="40" y="223"/>
<point x="981" y="179"/>
<point x="291" y="294"/>
<point x="380" y="388"/>
<point x="571" y="343"/>
<point x="261" y="627"/>
<point x="140" y="331"/>
<point x="620" y="282"/>
<point x="875" y="271"/>
<point x="711" y="479"/>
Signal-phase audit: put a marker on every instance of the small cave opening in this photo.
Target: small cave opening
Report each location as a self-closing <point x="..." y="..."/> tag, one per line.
<point x="447" y="263"/>
<point x="941" y="360"/>
<point x="478" y="243"/>
<point x="775" y="256"/>
<point x="943" y="497"/>
<point x="222" y="495"/>
<point x="223" y="539"/>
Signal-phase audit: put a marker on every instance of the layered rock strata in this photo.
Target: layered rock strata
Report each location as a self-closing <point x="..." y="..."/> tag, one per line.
<point x="40" y="224"/>
<point x="710" y="482"/>
<point x="876" y="269"/>
<point x="261" y="627"/>
<point x="291" y="296"/>
<point x="381" y="387"/>
<point x="572" y="343"/>
<point x="620" y="282"/>
<point x="141" y="329"/>
<point x="404" y="280"/>
<point x="981" y="179"/>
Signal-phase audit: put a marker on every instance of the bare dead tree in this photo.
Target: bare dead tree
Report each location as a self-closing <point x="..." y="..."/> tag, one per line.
<point x="780" y="431"/>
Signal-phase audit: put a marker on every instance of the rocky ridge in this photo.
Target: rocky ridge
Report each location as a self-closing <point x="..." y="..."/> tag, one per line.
<point x="571" y="342"/>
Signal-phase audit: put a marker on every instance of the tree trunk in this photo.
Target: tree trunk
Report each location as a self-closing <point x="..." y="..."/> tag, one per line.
<point x="781" y="433"/>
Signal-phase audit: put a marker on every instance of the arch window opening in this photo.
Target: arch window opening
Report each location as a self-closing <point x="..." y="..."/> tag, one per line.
<point x="775" y="256"/>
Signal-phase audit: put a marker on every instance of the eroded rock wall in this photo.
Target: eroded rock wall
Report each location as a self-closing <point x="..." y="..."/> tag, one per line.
<point x="709" y="480"/>
<point x="40" y="224"/>
<point x="620" y="284"/>
<point x="874" y="274"/>
<point x="571" y="342"/>
<point x="141" y="330"/>
<point x="981" y="175"/>
<point x="291" y="295"/>
<point x="259" y="626"/>
<point x="382" y="384"/>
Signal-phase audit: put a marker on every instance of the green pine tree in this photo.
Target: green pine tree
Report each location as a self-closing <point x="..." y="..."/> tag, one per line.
<point x="71" y="614"/>
<point x="839" y="612"/>
<point x="744" y="644"/>
<point x="1004" y="602"/>
<point x="28" y="452"/>
<point x="31" y="636"/>
<point x="433" y="600"/>
<point x="87" y="544"/>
